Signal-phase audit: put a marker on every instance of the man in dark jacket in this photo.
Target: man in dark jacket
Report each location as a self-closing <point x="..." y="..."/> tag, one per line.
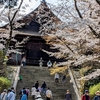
<point x="68" y="96"/>
<point x="37" y="85"/>
<point x="86" y="96"/>
<point x="44" y="86"/>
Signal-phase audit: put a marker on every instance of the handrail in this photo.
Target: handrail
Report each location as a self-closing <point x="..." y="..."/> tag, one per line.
<point x="74" y="83"/>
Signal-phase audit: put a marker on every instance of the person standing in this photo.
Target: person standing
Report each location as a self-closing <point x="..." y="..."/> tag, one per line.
<point x="3" y="95"/>
<point x="56" y="77"/>
<point x="49" y="64"/>
<point x="33" y="92"/>
<point x="97" y="96"/>
<point x="21" y="91"/>
<point x="10" y="95"/>
<point x="24" y="96"/>
<point x="63" y="79"/>
<point x="44" y="86"/>
<point x="37" y="85"/>
<point x="13" y="90"/>
<point x="20" y="78"/>
<point x="37" y="94"/>
<point x="68" y="95"/>
<point x="23" y="62"/>
<point x="27" y="92"/>
<point x="48" y="94"/>
<point x="86" y="96"/>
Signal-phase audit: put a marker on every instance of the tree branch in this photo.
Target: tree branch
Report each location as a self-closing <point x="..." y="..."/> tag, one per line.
<point x="80" y="15"/>
<point x="65" y="44"/>
<point x="17" y="11"/>
<point x="94" y="32"/>
<point x="98" y="1"/>
<point x="11" y="27"/>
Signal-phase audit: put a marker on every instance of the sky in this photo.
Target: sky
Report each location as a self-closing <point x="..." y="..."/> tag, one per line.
<point x="51" y="1"/>
<point x="34" y="4"/>
<point x="26" y="8"/>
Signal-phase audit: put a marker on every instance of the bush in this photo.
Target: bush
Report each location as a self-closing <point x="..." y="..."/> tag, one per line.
<point x="93" y="89"/>
<point x="4" y="83"/>
<point x="91" y="82"/>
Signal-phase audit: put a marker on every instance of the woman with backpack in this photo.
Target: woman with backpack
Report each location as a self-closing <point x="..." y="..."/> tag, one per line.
<point x="48" y="94"/>
<point x="3" y="95"/>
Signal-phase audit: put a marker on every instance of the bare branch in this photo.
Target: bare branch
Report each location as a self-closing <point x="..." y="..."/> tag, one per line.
<point x="98" y="1"/>
<point x="80" y="15"/>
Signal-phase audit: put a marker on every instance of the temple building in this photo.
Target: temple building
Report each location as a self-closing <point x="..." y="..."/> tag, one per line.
<point x="33" y="47"/>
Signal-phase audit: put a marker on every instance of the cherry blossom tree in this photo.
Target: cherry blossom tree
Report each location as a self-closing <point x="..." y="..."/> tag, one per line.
<point x="7" y="36"/>
<point x="74" y="31"/>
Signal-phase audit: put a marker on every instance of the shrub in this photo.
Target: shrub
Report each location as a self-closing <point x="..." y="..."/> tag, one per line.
<point x="4" y="83"/>
<point x="93" y="89"/>
<point x="91" y="82"/>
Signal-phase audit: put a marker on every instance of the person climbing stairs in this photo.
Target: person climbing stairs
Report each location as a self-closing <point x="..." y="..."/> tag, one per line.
<point x="31" y="74"/>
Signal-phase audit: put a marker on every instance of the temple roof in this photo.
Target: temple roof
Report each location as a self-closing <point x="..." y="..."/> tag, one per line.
<point x="26" y="20"/>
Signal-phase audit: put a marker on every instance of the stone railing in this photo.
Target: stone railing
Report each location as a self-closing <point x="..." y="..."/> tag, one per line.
<point x="75" y="85"/>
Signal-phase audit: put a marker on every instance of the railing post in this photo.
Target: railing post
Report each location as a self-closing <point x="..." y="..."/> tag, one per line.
<point x="16" y="77"/>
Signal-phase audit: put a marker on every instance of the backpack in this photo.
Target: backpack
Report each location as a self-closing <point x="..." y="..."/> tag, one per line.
<point x="48" y="94"/>
<point x="27" y="91"/>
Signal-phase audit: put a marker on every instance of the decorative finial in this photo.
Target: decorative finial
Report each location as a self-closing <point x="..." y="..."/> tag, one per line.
<point x="43" y="1"/>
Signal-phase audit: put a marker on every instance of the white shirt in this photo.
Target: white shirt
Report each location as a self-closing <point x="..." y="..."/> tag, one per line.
<point x="23" y="59"/>
<point x="49" y="64"/>
<point x="11" y="96"/>
<point x="33" y="90"/>
<point x="37" y="95"/>
<point x="56" y="75"/>
<point x="3" y="96"/>
<point x="48" y="92"/>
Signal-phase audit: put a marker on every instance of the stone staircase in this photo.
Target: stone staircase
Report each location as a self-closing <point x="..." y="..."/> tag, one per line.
<point x="31" y="74"/>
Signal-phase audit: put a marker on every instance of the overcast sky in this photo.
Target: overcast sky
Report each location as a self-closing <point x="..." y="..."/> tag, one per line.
<point x="34" y="4"/>
<point x="51" y="1"/>
<point x="26" y="8"/>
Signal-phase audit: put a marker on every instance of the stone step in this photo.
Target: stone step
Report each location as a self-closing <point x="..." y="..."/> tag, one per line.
<point x="31" y="74"/>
